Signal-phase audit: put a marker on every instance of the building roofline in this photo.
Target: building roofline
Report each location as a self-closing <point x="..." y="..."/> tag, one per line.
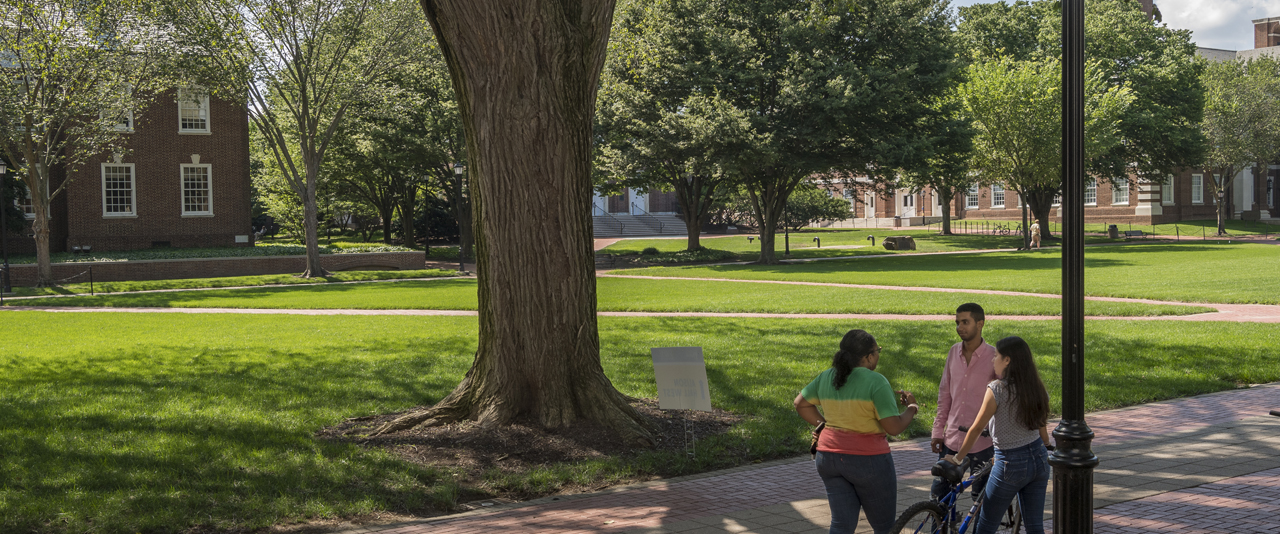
<point x="1271" y="19"/>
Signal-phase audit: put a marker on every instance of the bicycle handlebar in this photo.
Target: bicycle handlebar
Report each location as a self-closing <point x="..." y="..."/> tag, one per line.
<point x="985" y="433"/>
<point x="1275" y="413"/>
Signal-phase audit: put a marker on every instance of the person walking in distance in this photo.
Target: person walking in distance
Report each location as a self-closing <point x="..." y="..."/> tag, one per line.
<point x="965" y="375"/>
<point x="1035" y="235"/>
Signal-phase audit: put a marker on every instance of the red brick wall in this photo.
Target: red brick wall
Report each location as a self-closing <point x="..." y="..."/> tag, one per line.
<point x="25" y="275"/>
<point x="157" y="151"/>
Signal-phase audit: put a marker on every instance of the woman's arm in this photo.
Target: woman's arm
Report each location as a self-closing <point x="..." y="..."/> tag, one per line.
<point x="898" y="424"/>
<point x="808" y="411"/>
<point x="1044" y="436"/>
<point x="984" y="416"/>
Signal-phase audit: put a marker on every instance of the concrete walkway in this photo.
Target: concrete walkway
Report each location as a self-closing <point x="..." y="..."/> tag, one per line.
<point x="1206" y="464"/>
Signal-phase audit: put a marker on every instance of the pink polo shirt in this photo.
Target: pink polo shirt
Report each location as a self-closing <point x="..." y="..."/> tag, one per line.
<point x="961" y="392"/>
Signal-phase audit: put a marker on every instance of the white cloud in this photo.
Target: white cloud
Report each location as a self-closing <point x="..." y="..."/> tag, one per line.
<point x="1225" y="24"/>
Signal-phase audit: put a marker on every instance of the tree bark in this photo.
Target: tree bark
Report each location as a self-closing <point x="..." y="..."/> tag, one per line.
<point x="311" y="221"/>
<point x="694" y="195"/>
<point x="946" y="211"/>
<point x="768" y="198"/>
<point x="40" y="201"/>
<point x="408" y="197"/>
<point x="525" y="74"/>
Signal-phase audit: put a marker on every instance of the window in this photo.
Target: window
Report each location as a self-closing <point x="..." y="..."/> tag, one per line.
<point x="120" y="114"/>
<point x="1091" y="193"/>
<point x="908" y="200"/>
<point x="848" y="194"/>
<point x="25" y="204"/>
<point x="196" y="189"/>
<point x="997" y="196"/>
<point x="1057" y="199"/>
<point x="118" y="198"/>
<point x="971" y="200"/>
<point x="1166" y="191"/>
<point x="193" y="111"/>
<point x="1120" y="194"/>
<point x="1197" y="189"/>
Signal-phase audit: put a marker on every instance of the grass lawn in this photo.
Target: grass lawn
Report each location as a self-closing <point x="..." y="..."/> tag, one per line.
<point x="834" y="243"/>
<point x="1206" y="228"/>
<point x="1222" y="273"/>
<point x="615" y="294"/>
<point x="164" y="423"/>
<point x="230" y="281"/>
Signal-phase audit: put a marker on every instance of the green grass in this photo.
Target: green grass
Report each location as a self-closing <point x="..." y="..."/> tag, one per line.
<point x="260" y="249"/>
<point x="230" y="281"/>
<point x="122" y="423"/>
<point x="1221" y="273"/>
<point x="1202" y="228"/>
<point x="615" y="294"/>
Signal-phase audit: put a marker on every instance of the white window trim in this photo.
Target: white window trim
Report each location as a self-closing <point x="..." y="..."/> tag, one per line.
<point x="1091" y="184"/>
<point x="204" y="107"/>
<point x="133" y="190"/>
<point x="971" y="199"/>
<point x="1167" y="192"/>
<point x="1197" y="190"/>
<point x="182" y="189"/>
<point x="1115" y="188"/>
<point x="994" y="196"/>
<point x="17" y="203"/>
<point x="127" y="113"/>
<point x="1057" y="199"/>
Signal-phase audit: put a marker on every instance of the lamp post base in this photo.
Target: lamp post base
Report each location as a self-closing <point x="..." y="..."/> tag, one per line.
<point x="1073" y="463"/>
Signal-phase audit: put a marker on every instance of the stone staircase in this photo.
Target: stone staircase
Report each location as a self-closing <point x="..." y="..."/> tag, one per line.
<point x="624" y="225"/>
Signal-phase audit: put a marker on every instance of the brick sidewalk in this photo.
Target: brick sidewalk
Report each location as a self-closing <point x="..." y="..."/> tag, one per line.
<point x="1145" y="474"/>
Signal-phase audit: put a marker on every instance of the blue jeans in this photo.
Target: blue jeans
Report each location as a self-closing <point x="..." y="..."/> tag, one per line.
<point x="976" y="460"/>
<point x="1022" y="472"/>
<point x="859" y="482"/>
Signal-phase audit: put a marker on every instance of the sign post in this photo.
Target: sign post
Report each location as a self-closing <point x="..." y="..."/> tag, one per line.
<point x="681" y="376"/>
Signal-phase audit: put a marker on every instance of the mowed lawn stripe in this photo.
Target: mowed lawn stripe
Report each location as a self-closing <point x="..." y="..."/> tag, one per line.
<point x="615" y="294"/>
<point x="163" y="423"/>
<point x="1225" y="273"/>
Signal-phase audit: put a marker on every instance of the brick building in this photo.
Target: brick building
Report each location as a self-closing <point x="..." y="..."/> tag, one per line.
<point x="184" y="182"/>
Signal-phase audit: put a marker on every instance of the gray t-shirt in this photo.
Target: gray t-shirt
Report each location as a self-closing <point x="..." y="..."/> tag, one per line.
<point x="1007" y="432"/>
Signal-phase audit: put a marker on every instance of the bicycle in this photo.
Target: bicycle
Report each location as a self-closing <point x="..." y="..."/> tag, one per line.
<point x="941" y="516"/>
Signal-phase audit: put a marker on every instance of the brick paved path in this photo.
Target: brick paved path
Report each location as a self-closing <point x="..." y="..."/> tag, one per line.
<point x="1187" y="462"/>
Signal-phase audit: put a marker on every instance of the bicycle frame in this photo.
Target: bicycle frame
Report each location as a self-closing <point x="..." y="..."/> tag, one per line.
<point x="949" y="502"/>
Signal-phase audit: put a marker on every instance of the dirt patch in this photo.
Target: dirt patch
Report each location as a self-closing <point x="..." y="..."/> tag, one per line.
<point x="518" y="447"/>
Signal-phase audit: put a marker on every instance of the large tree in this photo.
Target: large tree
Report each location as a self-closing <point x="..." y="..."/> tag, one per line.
<point x="1241" y="122"/>
<point x="302" y="64"/>
<point x="1016" y="110"/>
<point x="827" y="86"/>
<point x="662" y="123"/>
<point x="525" y="75"/>
<point x="73" y="73"/>
<point x="946" y="168"/>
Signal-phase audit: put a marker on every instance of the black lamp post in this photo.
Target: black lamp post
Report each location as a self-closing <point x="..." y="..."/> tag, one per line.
<point x="1073" y="460"/>
<point x="458" y="168"/>
<point x="5" y="287"/>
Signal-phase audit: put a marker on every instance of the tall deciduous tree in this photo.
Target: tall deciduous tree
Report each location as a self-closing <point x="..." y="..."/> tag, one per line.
<point x="72" y="75"/>
<point x="1016" y="110"/>
<point x="525" y="74"/>
<point x="661" y="121"/>
<point x="827" y="86"/>
<point x="302" y="63"/>
<point x="1241" y="122"/>
<point x="946" y="168"/>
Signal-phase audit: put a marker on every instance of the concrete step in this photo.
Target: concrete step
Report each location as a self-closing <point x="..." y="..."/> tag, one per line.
<point x="624" y="225"/>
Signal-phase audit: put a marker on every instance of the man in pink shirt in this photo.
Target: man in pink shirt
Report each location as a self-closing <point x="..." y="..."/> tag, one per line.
<point x="965" y="376"/>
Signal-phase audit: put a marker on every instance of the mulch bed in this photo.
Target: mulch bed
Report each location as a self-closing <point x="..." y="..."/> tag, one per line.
<point x="523" y="445"/>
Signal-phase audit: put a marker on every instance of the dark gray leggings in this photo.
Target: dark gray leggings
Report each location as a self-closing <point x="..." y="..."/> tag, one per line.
<point x="858" y="482"/>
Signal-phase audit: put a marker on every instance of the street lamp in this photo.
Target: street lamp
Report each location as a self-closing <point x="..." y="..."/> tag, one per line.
<point x="458" y="168"/>
<point x="1073" y="460"/>
<point x="5" y="287"/>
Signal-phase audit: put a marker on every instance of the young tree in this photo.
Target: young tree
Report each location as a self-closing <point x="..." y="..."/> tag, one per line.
<point x="828" y="86"/>
<point x="303" y="64"/>
<point x="525" y="75"/>
<point x="1016" y="111"/>
<point x="810" y="204"/>
<point x="661" y="121"/>
<point x="1241" y="122"/>
<point x="72" y="75"/>
<point x="945" y="169"/>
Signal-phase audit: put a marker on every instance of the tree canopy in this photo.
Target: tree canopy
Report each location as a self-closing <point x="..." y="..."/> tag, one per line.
<point x="1241" y="122"/>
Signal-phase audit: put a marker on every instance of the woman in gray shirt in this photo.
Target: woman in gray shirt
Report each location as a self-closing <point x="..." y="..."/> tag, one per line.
<point x="1017" y="408"/>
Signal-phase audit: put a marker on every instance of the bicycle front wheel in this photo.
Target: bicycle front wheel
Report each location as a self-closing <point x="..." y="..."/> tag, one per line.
<point x="921" y="518"/>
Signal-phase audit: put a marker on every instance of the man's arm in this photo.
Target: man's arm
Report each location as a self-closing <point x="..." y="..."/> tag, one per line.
<point x="938" y="436"/>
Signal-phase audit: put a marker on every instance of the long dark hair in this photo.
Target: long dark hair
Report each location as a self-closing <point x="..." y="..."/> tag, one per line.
<point x="856" y="345"/>
<point x="1023" y="379"/>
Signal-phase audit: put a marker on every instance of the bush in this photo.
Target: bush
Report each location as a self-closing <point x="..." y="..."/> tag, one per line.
<point x="691" y="256"/>
<point x="649" y="251"/>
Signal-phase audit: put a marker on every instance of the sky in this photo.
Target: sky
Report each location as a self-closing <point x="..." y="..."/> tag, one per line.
<point x="1225" y="24"/>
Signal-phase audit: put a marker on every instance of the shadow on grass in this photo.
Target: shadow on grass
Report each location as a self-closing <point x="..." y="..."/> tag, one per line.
<point x="331" y="294"/>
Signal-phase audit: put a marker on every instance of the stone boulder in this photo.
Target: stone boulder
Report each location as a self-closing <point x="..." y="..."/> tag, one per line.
<point x="900" y="242"/>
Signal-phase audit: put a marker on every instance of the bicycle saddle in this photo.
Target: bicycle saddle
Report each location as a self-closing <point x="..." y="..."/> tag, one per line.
<point x="951" y="472"/>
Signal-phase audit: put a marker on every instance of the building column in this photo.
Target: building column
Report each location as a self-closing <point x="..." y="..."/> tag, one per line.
<point x="1148" y="200"/>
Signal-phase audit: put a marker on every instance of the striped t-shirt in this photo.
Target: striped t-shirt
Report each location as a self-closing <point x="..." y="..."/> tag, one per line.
<point x="853" y="412"/>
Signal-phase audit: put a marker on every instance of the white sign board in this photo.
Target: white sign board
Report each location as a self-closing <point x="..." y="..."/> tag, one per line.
<point x="681" y="374"/>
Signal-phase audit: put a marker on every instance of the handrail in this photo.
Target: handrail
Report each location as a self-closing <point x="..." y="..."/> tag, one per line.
<point x="647" y="214"/>
<point x="595" y="207"/>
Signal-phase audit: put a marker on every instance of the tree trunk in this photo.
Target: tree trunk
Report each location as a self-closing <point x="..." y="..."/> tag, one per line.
<point x="1219" y="198"/>
<point x="946" y="212"/>
<point x="388" y="216"/>
<point x="311" y="221"/>
<point x="694" y="196"/>
<point x="768" y="203"/>
<point x="1041" y="203"/>
<point x="525" y="75"/>
<point x="408" y="233"/>
<point x="693" y="226"/>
